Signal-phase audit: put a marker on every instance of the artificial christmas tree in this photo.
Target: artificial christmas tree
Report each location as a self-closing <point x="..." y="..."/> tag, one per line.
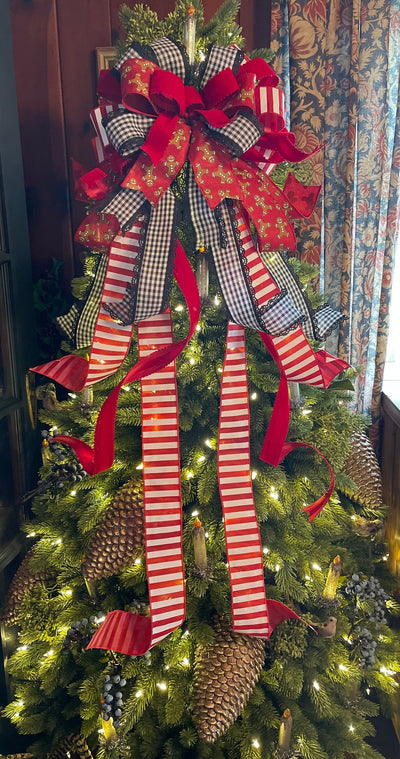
<point x="231" y="571"/>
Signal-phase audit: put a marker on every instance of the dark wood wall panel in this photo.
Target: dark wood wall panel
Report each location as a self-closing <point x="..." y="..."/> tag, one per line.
<point x="41" y="115"/>
<point x="54" y="45"/>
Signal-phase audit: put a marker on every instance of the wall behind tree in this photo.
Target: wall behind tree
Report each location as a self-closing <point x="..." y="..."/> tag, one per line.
<point x="54" y="44"/>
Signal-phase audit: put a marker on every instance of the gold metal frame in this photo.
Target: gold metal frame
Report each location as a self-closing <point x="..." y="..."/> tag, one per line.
<point x="106" y="57"/>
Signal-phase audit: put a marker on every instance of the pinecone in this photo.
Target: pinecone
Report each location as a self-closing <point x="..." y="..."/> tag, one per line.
<point x="225" y="675"/>
<point x="73" y="746"/>
<point x="362" y="467"/>
<point x="119" y="538"/>
<point x="24" y="579"/>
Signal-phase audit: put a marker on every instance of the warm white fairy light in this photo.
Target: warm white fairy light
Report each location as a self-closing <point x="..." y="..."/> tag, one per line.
<point x="353" y="517"/>
<point x="162" y="686"/>
<point x="307" y="577"/>
<point x="206" y="534"/>
<point x="342" y="668"/>
<point x="126" y="388"/>
<point x="316" y="567"/>
<point x="49" y="653"/>
<point x="254" y="396"/>
<point x="192" y="361"/>
<point x="195" y="513"/>
<point x="368" y="691"/>
<point x="265" y="550"/>
<point x="217" y="301"/>
<point x="20" y="702"/>
<point x="219" y="369"/>
<point x="22" y="648"/>
<point x="58" y="542"/>
<point x="201" y="458"/>
<point x="139" y="693"/>
<point x="208" y="443"/>
<point x="255" y="743"/>
<point x="351" y="728"/>
<point x="140" y="466"/>
<point x="72" y="395"/>
<point x="316" y="685"/>
<point x="179" y="307"/>
<point x="138" y="561"/>
<point x="254" y="474"/>
<point x="387" y="671"/>
<point x="274" y="494"/>
<point x="31" y="534"/>
<point x="277" y="568"/>
<point x="99" y="620"/>
<point x="185" y="634"/>
<point x="306" y="411"/>
<point x="185" y="661"/>
<point x="189" y="475"/>
<point x="67" y="592"/>
<point x="198" y="328"/>
<point x="73" y="492"/>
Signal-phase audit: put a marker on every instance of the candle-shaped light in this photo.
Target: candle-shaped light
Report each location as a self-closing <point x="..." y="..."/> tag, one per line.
<point x="285" y="730"/>
<point x="199" y="545"/>
<point x="190" y="33"/>
<point x="202" y="276"/>
<point x="294" y="395"/>
<point x="46" y="453"/>
<point x="333" y="578"/>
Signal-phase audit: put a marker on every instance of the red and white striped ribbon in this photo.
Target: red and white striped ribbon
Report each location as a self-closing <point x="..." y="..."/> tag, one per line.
<point x="242" y="534"/>
<point x="111" y="340"/>
<point x="162" y="484"/>
<point x="122" y="631"/>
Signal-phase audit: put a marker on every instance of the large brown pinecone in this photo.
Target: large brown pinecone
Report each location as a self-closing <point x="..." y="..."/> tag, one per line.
<point x="362" y="467"/>
<point x="119" y="538"/>
<point x="23" y="580"/>
<point x="225" y="675"/>
<point x="73" y="746"/>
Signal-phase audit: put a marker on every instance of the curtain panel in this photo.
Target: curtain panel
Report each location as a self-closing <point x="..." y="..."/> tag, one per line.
<point x="339" y="61"/>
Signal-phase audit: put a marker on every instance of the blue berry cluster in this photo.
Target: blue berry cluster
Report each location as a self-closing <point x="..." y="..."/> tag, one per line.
<point x="81" y="631"/>
<point x="62" y="471"/>
<point x="370" y="590"/>
<point x="112" y="700"/>
<point x="367" y="646"/>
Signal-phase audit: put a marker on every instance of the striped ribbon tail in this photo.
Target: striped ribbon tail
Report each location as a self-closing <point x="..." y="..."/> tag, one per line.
<point x="242" y="534"/>
<point x="121" y="631"/>
<point x="252" y="613"/>
<point x="110" y="341"/>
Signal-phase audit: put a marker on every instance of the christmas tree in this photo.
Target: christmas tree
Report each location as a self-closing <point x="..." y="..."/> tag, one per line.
<point x="118" y="656"/>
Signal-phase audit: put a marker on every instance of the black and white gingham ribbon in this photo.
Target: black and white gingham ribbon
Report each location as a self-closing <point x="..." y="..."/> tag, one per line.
<point x="317" y="324"/>
<point x="78" y="323"/>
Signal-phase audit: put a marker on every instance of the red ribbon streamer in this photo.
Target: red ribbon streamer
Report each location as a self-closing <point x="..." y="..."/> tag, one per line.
<point x="101" y="456"/>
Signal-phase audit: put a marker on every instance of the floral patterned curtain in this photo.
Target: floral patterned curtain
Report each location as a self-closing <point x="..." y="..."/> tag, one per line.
<point x="341" y="61"/>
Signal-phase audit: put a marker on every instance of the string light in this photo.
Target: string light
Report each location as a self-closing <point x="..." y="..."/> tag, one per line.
<point x="185" y="661"/>
<point x="277" y="568"/>
<point x="67" y="592"/>
<point x="201" y="458"/>
<point x="208" y="443"/>
<point x="342" y="668"/>
<point x="307" y="577"/>
<point x="207" y="534"/>
<point x="254" y="474"/>
<point x="219" y="369"/>
<point x="20" y="703"/>
<point x="254" y="396"/>
<point x="316" y="567"/>
<point x="353" y="517"/>
<point x="73" y="492"/>
<point x="316" y="685"/>
<point x="179" y="307"/>
<point x="306" y="411"/>
<point x="217" y="301"/>
<point x="138" y="561"/>
<point x="255" y="743"/>
<point x="31" y="534"/>
<point x="195" y="513"/>
<point x="126" y="388"/>
<point x="140" y="466"/>
<point x="72" y="395"/>
<point x="189" y="475"/>
<point x="368" y="691"/>
<point x="351" y="728"/>
<point x="162" y="686"/>
<point x="198" y="328"/>
<point x="58" y="542"/>
<point x="192" y="361"/>
<point x="139" y="693"/>
<point x="22" y="648"/>
<point x="274" y="494"/>
<point x="265" y="550"/>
